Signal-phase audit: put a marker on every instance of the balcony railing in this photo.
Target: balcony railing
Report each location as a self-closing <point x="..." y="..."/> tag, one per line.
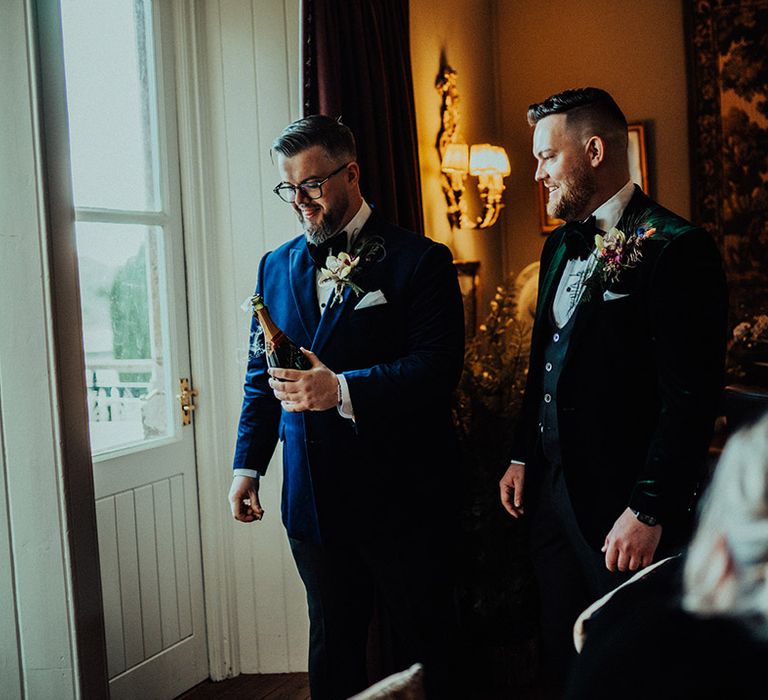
<point x="126" y="402"/>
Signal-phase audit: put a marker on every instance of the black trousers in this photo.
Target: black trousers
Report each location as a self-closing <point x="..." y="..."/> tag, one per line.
<point x="411" y="574"/>
<point x="569" y="572"/>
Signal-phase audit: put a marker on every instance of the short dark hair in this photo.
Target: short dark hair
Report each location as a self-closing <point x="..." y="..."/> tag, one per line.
<point x="336" y="139"/>
<point x="585" y="107"/>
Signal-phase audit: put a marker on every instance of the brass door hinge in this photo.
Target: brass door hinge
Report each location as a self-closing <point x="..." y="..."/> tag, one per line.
<point x="186" y="399"/>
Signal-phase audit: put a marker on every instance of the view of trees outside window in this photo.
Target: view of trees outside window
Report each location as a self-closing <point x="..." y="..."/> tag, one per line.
<point x="119" y="211"/>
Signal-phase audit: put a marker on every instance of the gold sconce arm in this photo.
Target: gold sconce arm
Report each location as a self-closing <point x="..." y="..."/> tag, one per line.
<point x="457" y="161"/>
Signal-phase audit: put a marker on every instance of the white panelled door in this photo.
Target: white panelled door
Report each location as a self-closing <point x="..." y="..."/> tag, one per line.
<point x="119" y="77"/>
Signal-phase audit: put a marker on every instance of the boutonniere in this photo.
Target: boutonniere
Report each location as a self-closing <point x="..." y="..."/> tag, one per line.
<point x="340" y="269"/>
<point x="614" y="253"/>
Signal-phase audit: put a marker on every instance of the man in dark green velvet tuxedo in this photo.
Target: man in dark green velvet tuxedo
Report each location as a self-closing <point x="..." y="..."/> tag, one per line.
<point x="625" y="374"/>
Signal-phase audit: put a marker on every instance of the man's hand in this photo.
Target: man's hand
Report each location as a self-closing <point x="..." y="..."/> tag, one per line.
<point x="244" y="499"/>
<point x="314" y="389"/>
<point x="512" y="485"/>
<point x="630" y="545"/>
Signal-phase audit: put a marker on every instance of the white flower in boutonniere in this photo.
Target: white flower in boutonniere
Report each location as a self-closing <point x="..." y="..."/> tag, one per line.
<point x="615" y="251"/>
<point x="338" y="271"/>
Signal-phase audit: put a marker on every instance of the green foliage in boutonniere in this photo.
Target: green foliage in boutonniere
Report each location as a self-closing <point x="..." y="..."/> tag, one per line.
<point x="340" y="269"/>
<point x="614" y="253"/>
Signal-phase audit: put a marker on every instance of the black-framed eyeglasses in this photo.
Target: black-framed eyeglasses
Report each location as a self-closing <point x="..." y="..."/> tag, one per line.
<point x="312" y="188"/>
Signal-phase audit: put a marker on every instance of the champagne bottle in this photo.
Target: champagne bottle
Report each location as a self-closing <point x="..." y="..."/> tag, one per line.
<point x="281" y="350"/>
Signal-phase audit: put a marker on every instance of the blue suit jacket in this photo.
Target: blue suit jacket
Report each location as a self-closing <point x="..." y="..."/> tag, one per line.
<point x="394" y="467"/>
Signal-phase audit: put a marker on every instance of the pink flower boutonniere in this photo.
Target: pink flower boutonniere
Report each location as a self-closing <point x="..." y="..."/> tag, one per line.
<point x="615" y="252"/>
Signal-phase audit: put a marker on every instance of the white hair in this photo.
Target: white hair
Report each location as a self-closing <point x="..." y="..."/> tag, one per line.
<point x="734" y="514"/>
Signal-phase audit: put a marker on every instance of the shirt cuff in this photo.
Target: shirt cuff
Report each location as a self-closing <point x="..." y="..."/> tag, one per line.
<point x="246" y="472"/>
<point x="345" y="406"/>
<point x="517" y="461"/>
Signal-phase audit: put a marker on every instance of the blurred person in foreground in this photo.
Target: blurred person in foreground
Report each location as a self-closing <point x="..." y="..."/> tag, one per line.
<point x="697" y="626"/>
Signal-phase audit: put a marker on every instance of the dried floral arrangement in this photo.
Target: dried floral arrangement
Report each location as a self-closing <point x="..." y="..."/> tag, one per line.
<point x="495" y="369"/>
<point x="496" y="593"/>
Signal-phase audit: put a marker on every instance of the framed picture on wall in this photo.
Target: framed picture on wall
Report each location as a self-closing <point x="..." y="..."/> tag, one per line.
<point x="638" y="172"/>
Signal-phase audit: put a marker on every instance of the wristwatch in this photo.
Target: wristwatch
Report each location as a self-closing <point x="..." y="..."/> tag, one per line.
<point x="645" y="518"/>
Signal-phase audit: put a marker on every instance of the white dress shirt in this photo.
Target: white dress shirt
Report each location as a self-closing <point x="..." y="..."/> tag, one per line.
<point x="324" y="295"/>
<point x="576" y="272"/>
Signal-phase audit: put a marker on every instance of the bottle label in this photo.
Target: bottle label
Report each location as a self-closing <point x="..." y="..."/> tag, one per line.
<point x="282" y="352"/>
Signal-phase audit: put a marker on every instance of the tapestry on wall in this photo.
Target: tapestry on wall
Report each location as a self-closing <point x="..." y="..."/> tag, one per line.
<point x="728" y="74"/>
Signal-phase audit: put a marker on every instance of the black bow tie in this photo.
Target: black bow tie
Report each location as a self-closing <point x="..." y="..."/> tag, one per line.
<point x="333" y="246"/>
<point x="580" y="238"/>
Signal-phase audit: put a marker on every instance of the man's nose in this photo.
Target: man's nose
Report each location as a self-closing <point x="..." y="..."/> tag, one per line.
<point x="540" y="173"/>
<point x="301" y="196"/>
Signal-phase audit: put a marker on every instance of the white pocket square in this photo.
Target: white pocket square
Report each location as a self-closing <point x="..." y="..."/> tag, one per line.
<point x="612" y="296"/>
<point x="371" y="299"/>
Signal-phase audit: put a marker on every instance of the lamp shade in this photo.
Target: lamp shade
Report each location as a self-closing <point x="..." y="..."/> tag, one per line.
<point x="485" y="159"/>
<point x="502" y="161"/>
<point x="455" y="158"/>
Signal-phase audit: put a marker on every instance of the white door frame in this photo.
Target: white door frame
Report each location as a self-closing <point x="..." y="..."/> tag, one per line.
<point x="68" y="479"/>
<point x="212" y="434"/>
<point x="210" y="336"/>
<point x="69" y="403"/>
<point x="68" y="399"/>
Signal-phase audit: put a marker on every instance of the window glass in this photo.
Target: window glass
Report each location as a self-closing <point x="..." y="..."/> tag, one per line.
<point x="110" y="95"/>
<point x="124" y="333"/>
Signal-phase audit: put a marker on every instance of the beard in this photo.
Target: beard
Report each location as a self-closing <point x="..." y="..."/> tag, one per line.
<point x="327" y="227"/>
<point x="576" y="191"/>
<point x="318" y="233"/>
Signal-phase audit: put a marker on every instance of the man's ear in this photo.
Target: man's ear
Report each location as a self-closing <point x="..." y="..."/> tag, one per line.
<point x="353" y="173"/>
<point x="595" y="149"/>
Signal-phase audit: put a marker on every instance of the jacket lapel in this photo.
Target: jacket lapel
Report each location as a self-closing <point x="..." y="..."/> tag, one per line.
<point x="302" y="278"/>
<point x="635" y="212"/>
<point x="330" y="318"/>
<point x="334" y="312"/>
<point x="548" y="286"/>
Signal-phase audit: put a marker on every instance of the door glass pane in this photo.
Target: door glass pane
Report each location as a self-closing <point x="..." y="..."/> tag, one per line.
<point x="111" y="101"/>
<point x="125" y="333"/>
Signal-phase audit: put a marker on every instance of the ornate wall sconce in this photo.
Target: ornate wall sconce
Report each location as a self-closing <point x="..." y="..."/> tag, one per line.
<point x="488" y="163"/>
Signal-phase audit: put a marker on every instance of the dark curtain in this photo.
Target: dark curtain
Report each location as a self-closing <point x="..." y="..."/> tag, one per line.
<point x="357" y="65"/>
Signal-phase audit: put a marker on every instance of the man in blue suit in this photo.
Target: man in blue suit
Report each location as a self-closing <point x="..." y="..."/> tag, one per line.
<point x="369" y="454"/>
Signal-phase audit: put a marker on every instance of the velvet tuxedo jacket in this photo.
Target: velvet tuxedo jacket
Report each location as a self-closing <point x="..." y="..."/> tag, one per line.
<point x="641" y="381"/>
<point x="393" y="467"/>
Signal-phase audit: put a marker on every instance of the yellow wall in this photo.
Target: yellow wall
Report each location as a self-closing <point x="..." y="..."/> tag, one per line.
<point x="464" y="30"/>
<point x="635" y="50"/>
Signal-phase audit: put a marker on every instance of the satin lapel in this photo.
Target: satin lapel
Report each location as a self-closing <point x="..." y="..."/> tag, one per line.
<point x="548" y="286"/>
<point x="635" y="211"/>
<point x="304" y="288"/>
<point x="329" y="319"/>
